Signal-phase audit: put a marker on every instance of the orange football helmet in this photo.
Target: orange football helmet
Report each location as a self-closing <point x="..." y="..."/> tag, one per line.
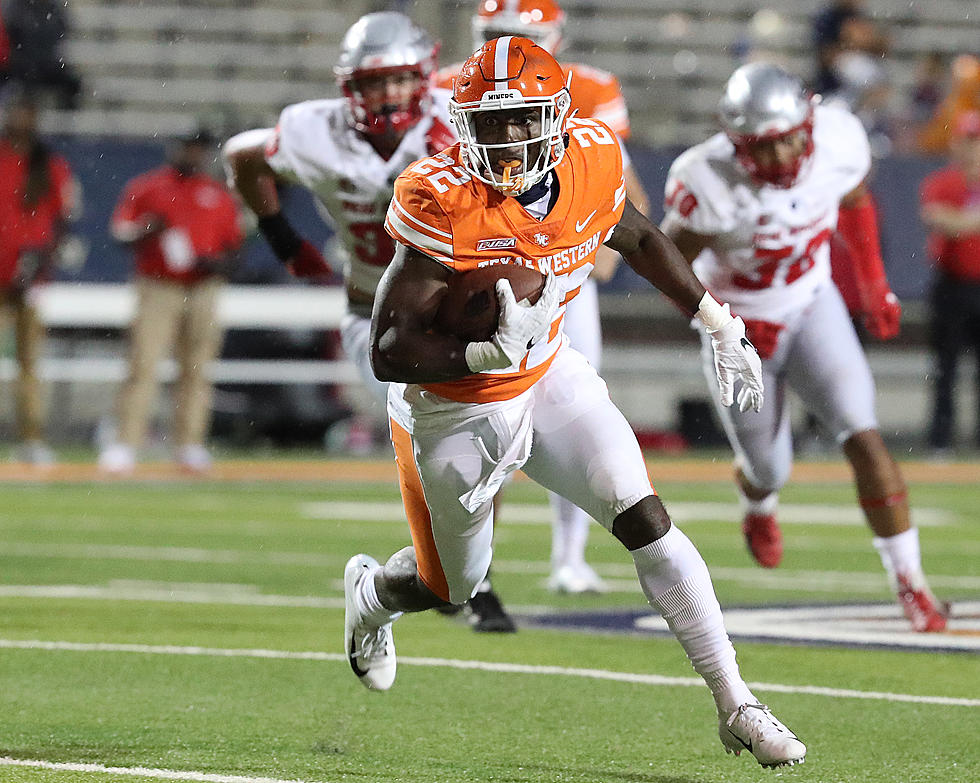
<point x="503" y="75"/>
<point x="540" y="20"/>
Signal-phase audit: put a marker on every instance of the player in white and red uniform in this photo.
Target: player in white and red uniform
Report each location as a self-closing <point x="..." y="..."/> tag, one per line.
<point x="525" y="185"/>
<point x="595" y="94"/>
<point x="347" y="152"/>
<point x="754" y="208"/>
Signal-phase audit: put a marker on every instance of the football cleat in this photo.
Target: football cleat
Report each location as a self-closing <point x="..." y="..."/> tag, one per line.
<point x="487" y="614"/>
<point x="370" y="649"/>
<point x="922" y="609"/>
<point x="753" y="728"/>
<point x="575" y="580"/>
<point x="764" y="539"/>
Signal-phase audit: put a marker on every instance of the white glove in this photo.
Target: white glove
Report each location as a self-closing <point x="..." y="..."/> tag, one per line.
<point x="520" y="326"/>
<point x="736" y="357"/>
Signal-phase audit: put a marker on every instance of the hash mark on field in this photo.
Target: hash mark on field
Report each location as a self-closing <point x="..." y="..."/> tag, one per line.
<point x="139" y="772"/>
<point x="486" y="666"/>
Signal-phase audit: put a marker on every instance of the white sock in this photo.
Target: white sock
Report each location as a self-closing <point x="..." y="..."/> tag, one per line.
<point x="676" y="582"/>
<point x="569" y="533"/>
<point x="369" y="605"/>
<point x="764" y="507"/>
<point x="900" y="554"/>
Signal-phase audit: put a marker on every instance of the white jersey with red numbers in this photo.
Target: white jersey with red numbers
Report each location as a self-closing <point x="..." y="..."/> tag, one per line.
<point x="462" y="223"/>
<point x="770" y="248"/>
<point x="313" y="145"/>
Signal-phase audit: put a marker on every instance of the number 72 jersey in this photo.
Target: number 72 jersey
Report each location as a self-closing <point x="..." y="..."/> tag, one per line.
<point x="770" y="247"/>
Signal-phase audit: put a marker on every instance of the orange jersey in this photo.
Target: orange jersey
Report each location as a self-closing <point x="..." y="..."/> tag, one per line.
<point x="462" y="223"/>
<point x="596" y="94"/>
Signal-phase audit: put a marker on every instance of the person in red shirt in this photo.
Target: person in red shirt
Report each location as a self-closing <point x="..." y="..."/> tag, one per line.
<point x="183" y="227"/>
<point x="37" y="194"/>
<point x="950" y="200"/>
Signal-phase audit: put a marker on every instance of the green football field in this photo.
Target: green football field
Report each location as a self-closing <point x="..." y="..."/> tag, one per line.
<point x="176" y="629"/>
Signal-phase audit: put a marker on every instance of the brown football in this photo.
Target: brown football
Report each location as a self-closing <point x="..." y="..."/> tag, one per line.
<point x="470" y="308"/>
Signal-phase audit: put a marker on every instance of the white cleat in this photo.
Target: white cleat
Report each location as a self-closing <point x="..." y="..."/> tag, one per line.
<point x="575" y="580"/>
<point x="370" y="649"/>
<point x="753" y="728"/>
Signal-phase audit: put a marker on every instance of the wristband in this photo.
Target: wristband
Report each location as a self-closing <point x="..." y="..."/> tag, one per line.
<point x="281" y="236"/>
<point x="484" y="356"/>
<point x="713" y="315"/>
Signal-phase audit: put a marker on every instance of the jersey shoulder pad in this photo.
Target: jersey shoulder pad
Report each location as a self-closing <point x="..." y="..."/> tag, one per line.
<point x="839" y="137"/>
<point x="303" y="137"/>
<point x="597" y="94"/>
<point x="698" y="191"/>
<point x="440" y="106"/>
<point x="420" y="216"/>
<point x="443" y="78"/>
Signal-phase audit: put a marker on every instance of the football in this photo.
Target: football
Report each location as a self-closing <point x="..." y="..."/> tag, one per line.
<point x="470" y="307"/>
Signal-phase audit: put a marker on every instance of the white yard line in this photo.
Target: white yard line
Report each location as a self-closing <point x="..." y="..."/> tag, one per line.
<point x="486" y="666"/>
<point x="177" y="593"/>
<point x="139" y="772"/>
<point x="538" y="514"/>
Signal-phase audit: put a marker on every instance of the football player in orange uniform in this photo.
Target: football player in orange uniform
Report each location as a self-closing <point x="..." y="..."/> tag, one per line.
<point x="595" y="94"/>
<point x="526" y="185"/>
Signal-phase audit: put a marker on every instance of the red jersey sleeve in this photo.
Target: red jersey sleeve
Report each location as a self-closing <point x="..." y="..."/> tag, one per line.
<point x="233" y="224"/>
<point x="131" y="204"/>
<point x="64" y="187"/>
<point x="941" y="188"/>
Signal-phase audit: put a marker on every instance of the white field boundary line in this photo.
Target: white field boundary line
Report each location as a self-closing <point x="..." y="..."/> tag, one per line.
<point x="540" y="514"/>
<point x="139" y="772"/>
<point x="485" y="666"/>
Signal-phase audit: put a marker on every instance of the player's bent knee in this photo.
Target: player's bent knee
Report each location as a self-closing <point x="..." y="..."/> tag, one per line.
<point x="642" y="523"/>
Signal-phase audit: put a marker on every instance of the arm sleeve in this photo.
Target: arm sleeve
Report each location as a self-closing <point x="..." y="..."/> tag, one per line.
<point x="416" y="219"/>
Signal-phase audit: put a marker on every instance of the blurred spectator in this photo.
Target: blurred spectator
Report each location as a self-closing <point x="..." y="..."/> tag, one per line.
<point x="964" y="97"/>
<point x="37" y="194"/>
<point x="928" y="88"/>
<point x="951" y="210"/>
<point x="37" y="30"/>
<point x="921" y="101"/>
<point x="842" y="30"/>
<point x="183" y="227"/>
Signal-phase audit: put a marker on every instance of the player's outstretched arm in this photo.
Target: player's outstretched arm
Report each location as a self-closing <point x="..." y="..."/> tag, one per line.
<point x="250" y="174"/>
<point x="404" y="345"/>
<point x="655" y="256"/>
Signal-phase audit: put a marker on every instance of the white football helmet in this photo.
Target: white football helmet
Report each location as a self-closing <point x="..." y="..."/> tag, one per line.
<point x="762" y="102"/>
<point x="382" y="43"/>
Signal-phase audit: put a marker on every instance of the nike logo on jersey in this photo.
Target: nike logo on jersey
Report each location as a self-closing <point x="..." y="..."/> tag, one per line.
<point x="580" y="225"/>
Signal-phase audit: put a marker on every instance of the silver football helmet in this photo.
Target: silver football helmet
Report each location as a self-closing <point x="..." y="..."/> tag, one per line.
<point x="378" y="44"/>
<point x="762" y="102"/>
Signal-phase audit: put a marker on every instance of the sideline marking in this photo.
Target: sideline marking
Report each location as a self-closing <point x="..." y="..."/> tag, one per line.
<point x="540" y="514"/>
<point x="139" y="772"/>
<point x="486" y="666"/>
